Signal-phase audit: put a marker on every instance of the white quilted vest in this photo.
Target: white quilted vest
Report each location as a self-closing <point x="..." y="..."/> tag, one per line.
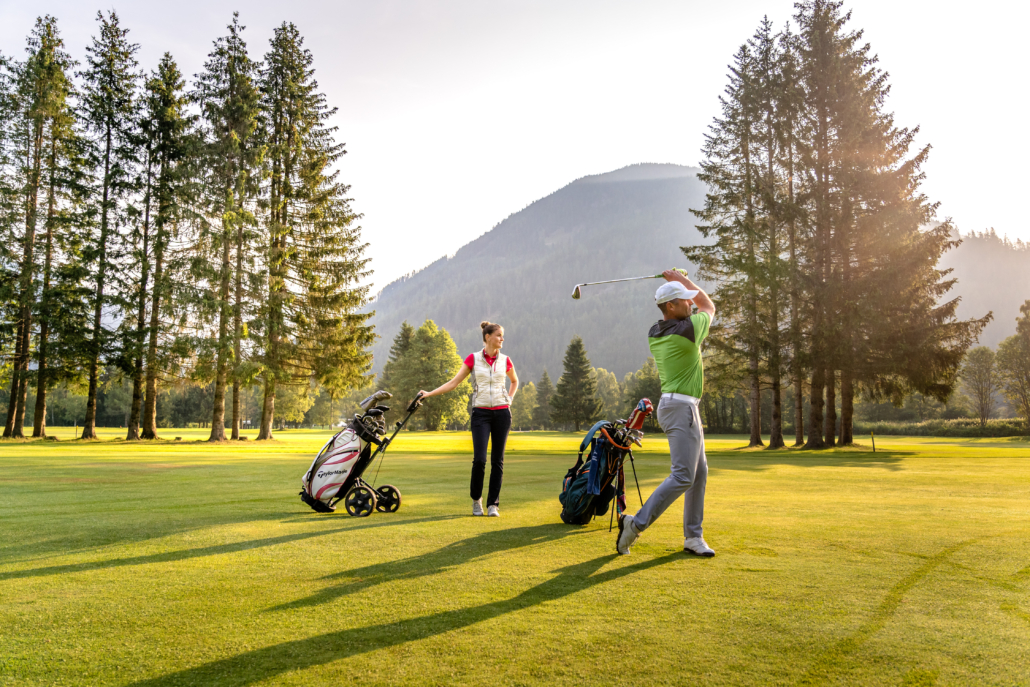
<point x="488" y="387"/>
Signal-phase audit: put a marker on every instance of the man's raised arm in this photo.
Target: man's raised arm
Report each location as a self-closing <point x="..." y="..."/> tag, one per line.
<point x="701" y="300"/>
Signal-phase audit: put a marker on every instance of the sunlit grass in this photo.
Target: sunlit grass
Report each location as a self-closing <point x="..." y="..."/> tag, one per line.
<point x="181" y="562"/>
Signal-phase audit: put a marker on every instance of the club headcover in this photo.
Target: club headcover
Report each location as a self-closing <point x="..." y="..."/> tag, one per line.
<point x="639" y="414"/>
<point x="380" y="395"/>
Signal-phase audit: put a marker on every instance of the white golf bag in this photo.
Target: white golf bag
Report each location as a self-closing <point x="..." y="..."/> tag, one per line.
<point x="336" y="472"/>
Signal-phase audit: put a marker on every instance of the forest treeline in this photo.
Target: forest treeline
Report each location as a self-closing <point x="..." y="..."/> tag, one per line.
<point x="160" y="232"/>
<point x="824" y="253"/>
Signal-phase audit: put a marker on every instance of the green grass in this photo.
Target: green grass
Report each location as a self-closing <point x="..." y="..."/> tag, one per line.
<point x="180" y="563"/>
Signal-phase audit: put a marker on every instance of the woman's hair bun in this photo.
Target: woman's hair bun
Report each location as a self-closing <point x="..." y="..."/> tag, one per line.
<point x="484" y="324"/>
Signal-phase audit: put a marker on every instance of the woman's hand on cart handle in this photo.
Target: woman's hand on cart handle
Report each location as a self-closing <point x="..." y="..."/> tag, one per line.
<point x="417" y="402"/>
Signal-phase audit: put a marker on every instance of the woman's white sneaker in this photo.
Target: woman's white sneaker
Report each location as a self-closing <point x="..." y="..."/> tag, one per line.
<point x="493" y="512"/>
<point x="698" y="547"/>
<point x="477" y="507"/>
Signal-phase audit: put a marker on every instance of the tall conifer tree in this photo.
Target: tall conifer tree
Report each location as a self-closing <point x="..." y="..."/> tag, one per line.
<point x="575" y="398"/>
<point x="108" y="106"/>
<point x="314" y="254"/>
<point x="732" y="171"/>
<point x="174" y="149"/>
<point x="229" y="99"/>
<point x="544" y="394"/>
<point x="44" y="133"/>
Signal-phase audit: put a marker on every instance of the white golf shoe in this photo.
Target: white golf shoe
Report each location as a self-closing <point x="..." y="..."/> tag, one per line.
<point x="698" y="547"/>
<point x="493" y="512"/>
<point x="627" y="535"/>
<point x="477" y="507"/>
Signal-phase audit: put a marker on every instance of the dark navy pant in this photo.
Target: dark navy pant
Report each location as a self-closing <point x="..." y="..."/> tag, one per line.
<point x="492" y="426"/>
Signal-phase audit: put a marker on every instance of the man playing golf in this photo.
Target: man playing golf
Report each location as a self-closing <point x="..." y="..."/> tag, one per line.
<point x="675" y="343"/>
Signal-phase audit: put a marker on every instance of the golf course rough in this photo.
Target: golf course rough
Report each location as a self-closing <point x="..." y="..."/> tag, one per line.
<point x="185" y="563"/>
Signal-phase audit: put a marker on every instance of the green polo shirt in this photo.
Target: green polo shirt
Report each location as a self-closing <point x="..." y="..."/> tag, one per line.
<point x="676" y="347"/>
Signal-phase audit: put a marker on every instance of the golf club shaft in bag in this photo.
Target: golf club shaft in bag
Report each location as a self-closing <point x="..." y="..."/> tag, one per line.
<point x="576" y="291"/>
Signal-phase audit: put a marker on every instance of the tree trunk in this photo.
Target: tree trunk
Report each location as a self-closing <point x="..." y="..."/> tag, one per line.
<point x="39" y="415"/>
<point x="21" y="370"/>
<point x="237" y="329"/>
<point x="776" y="435"/>
<point x="847" y="409"/>
<point x="150" y="399"/>
<point x="15" y="383"/>
<point x="160" y="241"/>
<point x="23" y="377"/>
<point x="795" y="315"/>
<point x="89" y="430"/>
<point x="755" y="398"/>
<point x="138" y="375"/>
<point x="218" y="411"/>
<point x="799" y="409"/>
<point x="267" y="411"/>
<point x="830" y="421"/>
<point x="815" y="416"/>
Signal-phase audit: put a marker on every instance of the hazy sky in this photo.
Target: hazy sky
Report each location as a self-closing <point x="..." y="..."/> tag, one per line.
<point x="457" y="114"/>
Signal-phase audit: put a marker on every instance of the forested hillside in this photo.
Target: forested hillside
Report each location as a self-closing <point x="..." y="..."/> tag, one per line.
<point x="993" y="274"/>
<point x="625" y="223"/>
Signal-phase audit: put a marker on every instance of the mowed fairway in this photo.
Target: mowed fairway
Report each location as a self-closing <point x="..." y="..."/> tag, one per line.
<point x="180" y="563"/>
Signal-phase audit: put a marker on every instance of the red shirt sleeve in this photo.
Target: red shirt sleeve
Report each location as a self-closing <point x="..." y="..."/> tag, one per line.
<point x="510" y="366"/>
<point x="470" y="362"/>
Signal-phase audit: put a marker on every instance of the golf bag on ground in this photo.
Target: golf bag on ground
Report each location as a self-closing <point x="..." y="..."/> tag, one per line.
<point x="591" y="485"/>
<point x="336" y="472"/>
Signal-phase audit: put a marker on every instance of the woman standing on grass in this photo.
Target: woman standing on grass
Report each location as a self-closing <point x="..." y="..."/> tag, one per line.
<point x="491" y="413"/>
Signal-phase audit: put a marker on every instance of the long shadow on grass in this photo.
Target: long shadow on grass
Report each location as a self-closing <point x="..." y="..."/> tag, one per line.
<point x="459" y="553"/>
<point x="764" y="460"/>
<point x="262" y="664"/>
<point x="185" y="554"/>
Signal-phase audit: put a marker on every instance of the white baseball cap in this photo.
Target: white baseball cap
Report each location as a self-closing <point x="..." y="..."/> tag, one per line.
<point x="671" y="290"/>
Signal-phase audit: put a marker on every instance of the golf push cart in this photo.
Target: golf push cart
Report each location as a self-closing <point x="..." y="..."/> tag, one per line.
<point x="336" y="472"/>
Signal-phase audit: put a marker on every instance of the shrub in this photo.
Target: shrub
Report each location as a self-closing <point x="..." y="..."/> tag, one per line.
<point x="963" y="427"/>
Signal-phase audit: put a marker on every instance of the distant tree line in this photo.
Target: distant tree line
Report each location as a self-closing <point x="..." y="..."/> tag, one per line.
<point x="824" y="250"/>
<point x="165" y="234"/>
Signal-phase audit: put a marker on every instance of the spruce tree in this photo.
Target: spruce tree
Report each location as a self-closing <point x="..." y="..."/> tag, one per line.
<point x="731" y="169"/>
<point x="392" y="378"/>
<point x="575" y="398"/>
<point x="229" y="100"/>
<point x="108" y="106"/>
<point x="314" y="253"/>
<point x="172" y="192"/>
<point x="544" y="393"/>
<point x="44" y="133"/>
<point x="142" y="239"/>
<point x="774" y="270"/>
<point x="59" y="295"/>
<point x="880" y="320"/>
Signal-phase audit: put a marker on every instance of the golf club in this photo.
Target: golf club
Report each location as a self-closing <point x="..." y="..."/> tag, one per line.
<point x="576" y="291"/>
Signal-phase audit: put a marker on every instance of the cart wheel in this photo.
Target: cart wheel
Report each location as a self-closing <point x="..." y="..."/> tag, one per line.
<point x="360" y="501"/>
<point x="389" y="499"/>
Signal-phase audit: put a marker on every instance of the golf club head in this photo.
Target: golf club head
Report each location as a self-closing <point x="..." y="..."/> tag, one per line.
<point x="575" y="292"/>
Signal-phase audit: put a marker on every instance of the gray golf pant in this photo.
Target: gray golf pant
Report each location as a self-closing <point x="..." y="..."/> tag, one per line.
<point x="682" y="424"/>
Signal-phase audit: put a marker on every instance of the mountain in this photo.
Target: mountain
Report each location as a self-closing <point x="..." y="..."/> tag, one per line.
<point x="626" y="223"/>
<point x="993" y="275"/>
